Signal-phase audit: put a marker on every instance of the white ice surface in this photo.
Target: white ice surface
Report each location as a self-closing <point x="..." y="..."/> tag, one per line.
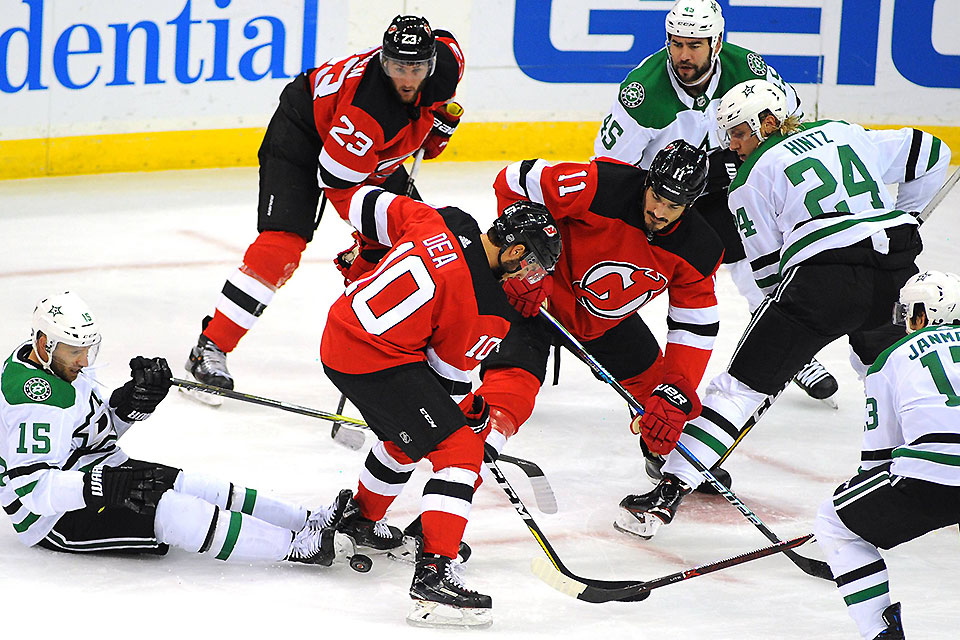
<point x="150" y="252"/>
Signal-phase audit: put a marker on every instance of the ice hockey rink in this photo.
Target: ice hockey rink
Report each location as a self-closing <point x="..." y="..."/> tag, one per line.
<point x="149" y="253"/>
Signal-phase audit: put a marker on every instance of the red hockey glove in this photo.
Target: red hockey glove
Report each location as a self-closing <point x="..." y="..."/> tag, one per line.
<point x="445" y="121"/>
<point x="525" y="297"/>
<point x="477" y="412"/>
<point x="351" y="264"/>
<point x="671" y="405"/>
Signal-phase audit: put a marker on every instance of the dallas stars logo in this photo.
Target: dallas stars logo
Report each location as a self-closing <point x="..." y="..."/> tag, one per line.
<point x="37" y="389"/>
<point x="55" y="311"/>
<point x="748" y="90"/>
<point x="631" y="96"/>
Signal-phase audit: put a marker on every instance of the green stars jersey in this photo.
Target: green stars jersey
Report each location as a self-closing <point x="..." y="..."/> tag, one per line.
<point x="913" y="407"/>
<point x="783" y="190"/>
<point x="652" y="109"/>
<point x="51" y="432"/>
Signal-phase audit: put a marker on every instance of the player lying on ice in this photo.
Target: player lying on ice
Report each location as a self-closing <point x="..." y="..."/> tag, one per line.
<point x="909" y="478"/>
<point x="830" y="248"/>
<point x="400" y="343"/>
<point x="67" y="486"/>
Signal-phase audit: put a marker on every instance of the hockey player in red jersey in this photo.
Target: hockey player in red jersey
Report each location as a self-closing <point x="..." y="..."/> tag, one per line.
<point x="352" y="120"/>
<point x="628" y="235"/>
<point x="400" y="343"/>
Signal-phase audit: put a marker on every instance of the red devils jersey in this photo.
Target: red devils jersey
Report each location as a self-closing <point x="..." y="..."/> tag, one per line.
<point x="432" y="298"/>
<point x="610" y="267"/>
<point x="366" y="131"/>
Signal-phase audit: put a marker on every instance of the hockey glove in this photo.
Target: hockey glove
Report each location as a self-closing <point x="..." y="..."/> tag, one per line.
<point x="671" y="405"/>
<point x="139" y="397"/>
<point x="477" y="413"/>
<point x="351" y="263"/>
<point x="444" y="124"/>
<point x="138" y="489"/>
<point x="525" y="297"/>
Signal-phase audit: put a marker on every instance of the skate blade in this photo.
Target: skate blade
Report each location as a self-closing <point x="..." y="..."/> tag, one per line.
<point x="435" y="615"/>
<point x="208" y="399"/>
<point x="831" y="402"/>
<point x="407" y="552"/>
<point x="641" y="526"/>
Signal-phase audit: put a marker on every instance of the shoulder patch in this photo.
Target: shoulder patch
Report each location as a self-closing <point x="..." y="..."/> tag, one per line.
<point x="756" y="64"/>
<point x="37" y="389"/>
<point x="631" y="96"/>
<point x="23" y="385"/>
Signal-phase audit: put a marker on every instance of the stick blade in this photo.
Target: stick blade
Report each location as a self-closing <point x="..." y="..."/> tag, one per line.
<point x="352" y="439"/>
<point x="543" y="495"/>
<point x="545" y="570"/>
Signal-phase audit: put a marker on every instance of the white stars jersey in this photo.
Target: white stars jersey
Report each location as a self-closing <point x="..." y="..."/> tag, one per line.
<point x="652" y="109"/>
<point x="786" y="195"/>
<point x="913" y="407"/>
<point x="51" y="432"/>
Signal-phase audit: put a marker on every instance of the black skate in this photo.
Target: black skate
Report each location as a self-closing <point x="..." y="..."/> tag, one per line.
<point x="894" y="630"/>
<point x="413" y="544"/>
<point x="817" y="383"/>
<point x="653" y="465"/>
<point x="643" y="515"/>
<point x="208" y="364"/>
<point x="441" y="598"/>
<point x="370" y="535"/>
<point x="313" y="546"/>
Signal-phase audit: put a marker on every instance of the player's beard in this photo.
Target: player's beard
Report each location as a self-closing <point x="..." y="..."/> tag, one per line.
<point x="698" y="75"/>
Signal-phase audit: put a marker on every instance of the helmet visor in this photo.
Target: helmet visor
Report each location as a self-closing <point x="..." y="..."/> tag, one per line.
<point x="416" y="70"/>
<point x="68" y="360"/>
<point x="531" y="269"/>
<point x="901" y="312"/>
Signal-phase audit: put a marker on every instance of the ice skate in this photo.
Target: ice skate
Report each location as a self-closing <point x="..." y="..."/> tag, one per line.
<point x="442" y="600"/>
<point x="413" y="542"/>
<point x="894" y="630"/>
<point x="313" y="546"/>
<point x="207" y="364"/>
<point x="642" y="515"/>
<point x="818" y="383"/>
<point x="370" y="536"/>
<point x="654" y="463"/>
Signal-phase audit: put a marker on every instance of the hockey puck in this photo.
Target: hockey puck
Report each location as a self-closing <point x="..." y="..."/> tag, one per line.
<point x="361" y="563"/>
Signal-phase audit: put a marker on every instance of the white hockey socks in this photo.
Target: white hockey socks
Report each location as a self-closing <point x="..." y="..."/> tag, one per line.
<point x="708" y="438"/>
<point x="231" y="497"/>
<point x="194" y="525"/>
<point x="860" y="570"/>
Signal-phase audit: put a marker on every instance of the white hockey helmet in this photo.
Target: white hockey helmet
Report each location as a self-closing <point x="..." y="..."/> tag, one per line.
<point x="695" y="19"/>
<point x="65" y="318"/>
<point x="937" y="293"/>
<point x="745" y="102"/>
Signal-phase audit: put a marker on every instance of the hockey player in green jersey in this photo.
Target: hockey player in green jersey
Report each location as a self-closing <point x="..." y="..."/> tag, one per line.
<point x="673" y="94"/>
<point x="908" y="483"/>
<point x="67" y="486"/>
<point x="822" y="233"/>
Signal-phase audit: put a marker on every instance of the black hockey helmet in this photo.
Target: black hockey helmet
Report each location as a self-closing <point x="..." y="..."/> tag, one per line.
<point x="530" y="224"/>
<point x="678" y="172"/>
<point x="409" y="39"/>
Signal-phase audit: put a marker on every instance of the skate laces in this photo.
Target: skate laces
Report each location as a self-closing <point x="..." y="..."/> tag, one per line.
<point x="453" y="573"/>
<point x="306" y="543"/>
<point x="811" y="373"/>
<point x="381" y="530"/>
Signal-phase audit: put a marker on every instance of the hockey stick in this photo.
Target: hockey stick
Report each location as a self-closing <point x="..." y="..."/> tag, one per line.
<point x="939" y="196"/>
<point x="347" y="437"/>
<point x="542" y="491"/>
<point x="810" y="566"/>
<point x="589" y="593"/>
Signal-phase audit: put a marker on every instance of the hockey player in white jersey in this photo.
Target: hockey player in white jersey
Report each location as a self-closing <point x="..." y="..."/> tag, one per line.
<point x="674" y="93"/>
<point x="908" y="483"/>
<point x="67" y="486"/>
<point x="829" y="246"/>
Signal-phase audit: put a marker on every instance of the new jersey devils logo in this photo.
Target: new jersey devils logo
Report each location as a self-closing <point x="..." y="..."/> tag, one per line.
<point x="614" y="290"/>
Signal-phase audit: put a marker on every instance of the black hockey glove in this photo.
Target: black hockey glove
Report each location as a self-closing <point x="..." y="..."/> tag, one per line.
<point x="139" y="397"/>
<point x="478" y="415"/>
<point x="138" y="489"/>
